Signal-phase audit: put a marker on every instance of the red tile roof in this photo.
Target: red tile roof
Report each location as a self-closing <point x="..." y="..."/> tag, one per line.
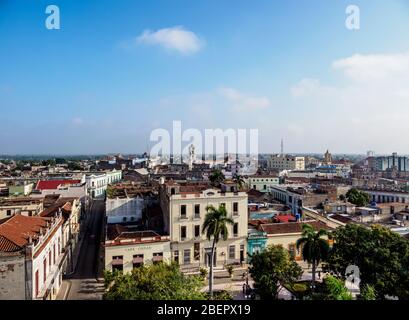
<point x="54" y="184"/>
<point x="284" y="218"/>
<point x="16" y="231"/>
<point x="292" y="227"/>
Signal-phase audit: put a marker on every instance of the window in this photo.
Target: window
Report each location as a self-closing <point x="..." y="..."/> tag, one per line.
<point x="197" y="231"/>
<point x="197" y="210"/>
<point x="9" y="212"/>
<point x="137" y="260"/>
<point x="54" y="252"/>
<point x="176" y="256"/>
<point x="265" y="187"/>
<point x="196" y="251"/>
<point x="117" y="263"/>
<point x="236" y="229"/>
<point x="232" y="252"/>
<point x="183" y="211"/>
<point x="172" y="191"/>
<point x="37" y="284"/>
<point x="186" y="256"/>
<point x="49" y="259"/>
<point x="157" y="257"/>
<point x="235" y="208"/>
<point x="223" y="205"/>
<point x="44" y="269"/>
<point x="183" y="233"/>
<point x="254" y="187"/>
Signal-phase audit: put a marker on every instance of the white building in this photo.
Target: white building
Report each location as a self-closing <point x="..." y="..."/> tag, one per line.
<point x="262" y="183"/>
<point x="286" y="162"/>
<point x="30" y="258"/>
<point x="126" y="248"/>
<point x="123" y="210"/>
<point x="98" y="182"/>
<point x="184" y="211"/>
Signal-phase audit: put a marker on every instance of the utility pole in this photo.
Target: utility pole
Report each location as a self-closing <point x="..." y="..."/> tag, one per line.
<point x="282" y="147"/>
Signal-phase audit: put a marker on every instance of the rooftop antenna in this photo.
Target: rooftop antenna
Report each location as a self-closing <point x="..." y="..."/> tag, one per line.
<point x="282" y="147"/>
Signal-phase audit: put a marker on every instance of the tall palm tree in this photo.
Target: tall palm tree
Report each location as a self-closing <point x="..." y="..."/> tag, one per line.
<point x="238" y="179"/>
<point x="314" y="248"/>
<point x="216" y="177"/>
<point x="215" y="226"/>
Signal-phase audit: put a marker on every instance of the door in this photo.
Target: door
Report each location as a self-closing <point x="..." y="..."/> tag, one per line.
<point x="208" y="255"/>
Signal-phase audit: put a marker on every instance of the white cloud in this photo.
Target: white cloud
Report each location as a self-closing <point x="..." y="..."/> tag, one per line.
<point x="175" y="38"/>
<point x="367" y="111"/>
<point x="244" y="102"/>
<point x="374" y="67"/>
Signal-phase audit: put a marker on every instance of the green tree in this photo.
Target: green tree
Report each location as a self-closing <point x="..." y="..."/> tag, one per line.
<point x="153" y="282"/>
<point x="272" y="269"/>
<point x="368" y="292"/>
<point x="215" y="226"/>
<point x="381" y="255"/>
<point x="357" y="197"/>
<point x="216" y="177"/>
<point x="335" y="289"/>
<point x="314" y="247"/>
<point x="238" y="179"/>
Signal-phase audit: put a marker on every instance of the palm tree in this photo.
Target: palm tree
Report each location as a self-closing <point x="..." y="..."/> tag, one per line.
<point x="238" y="179"/>
<point x="216" y="177"/>
<point x="314" y="248"/>
<point x="215" y="225"/>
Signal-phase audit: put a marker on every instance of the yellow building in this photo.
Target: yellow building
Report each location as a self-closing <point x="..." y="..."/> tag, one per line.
<point x="126" y="248"/>
<point x="184" y="211"/>
<point x="287" y="234"/>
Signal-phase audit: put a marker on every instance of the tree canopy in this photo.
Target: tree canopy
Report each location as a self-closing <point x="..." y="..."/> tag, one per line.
<point x="357" y="197"/>
<point x="153" y="282"/>
<point x="381" y="255"/>
<point x="271" y="269"/>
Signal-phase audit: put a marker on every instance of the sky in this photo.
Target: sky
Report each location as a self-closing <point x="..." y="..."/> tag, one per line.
<point x="117" y="70"/>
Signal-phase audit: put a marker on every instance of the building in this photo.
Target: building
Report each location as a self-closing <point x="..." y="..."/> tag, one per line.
<point x="184" y="211"/>
<point x="384" y="163"/>
<point x="124" y="210"/>
<point x="70" y="211"/>
<point x="286" y="162"/>
<point x="287" y="234"/>
<point x="327" y="158"/>
<point x="386" y="196"/>
<point x="127" y="248"/>
<point x="98" y="182"/>
<point x="30" y="257"/>
<point x="262" y="183"/>
<point x="23" y="206"/>
<point x="303" y="195"/>
<point x="339" y="207"/>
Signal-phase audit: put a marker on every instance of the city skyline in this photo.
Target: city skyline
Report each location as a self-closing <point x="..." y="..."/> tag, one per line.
<point x="107" y="78"/>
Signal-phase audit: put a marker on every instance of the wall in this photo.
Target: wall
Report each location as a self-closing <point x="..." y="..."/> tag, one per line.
<point x="12" y="277"/>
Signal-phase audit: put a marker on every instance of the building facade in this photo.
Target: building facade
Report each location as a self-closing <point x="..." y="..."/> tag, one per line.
<point x="184" y="211"/>
<point x="286" y="162"/>
<point x="98" y="182"/>
<point x="126" y="248"/>
<point x="262" y="183"/>
<point x="30" y="258"/>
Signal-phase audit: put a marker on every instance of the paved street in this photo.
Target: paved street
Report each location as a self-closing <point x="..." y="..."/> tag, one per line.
<point x="86" y="282"/>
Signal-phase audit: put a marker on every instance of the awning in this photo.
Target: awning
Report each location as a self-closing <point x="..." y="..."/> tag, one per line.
<point x="117" y="262"/>
<point x="157" y="258"/>
<point x="137" y="260"/>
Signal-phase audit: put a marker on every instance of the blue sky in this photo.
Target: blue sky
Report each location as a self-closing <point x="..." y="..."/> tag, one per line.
<point x="289" y="68"/>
